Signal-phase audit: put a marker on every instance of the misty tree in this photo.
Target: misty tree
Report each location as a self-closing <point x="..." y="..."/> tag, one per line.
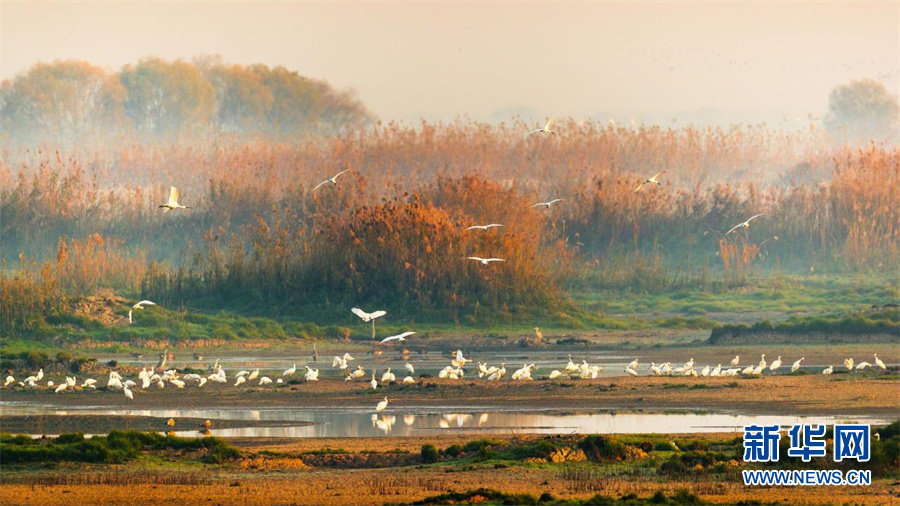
<point x="243" y="101"/>
<point x="863" y="111"/>
<point x="167" y="97"/>
<point x="65" y="101"/>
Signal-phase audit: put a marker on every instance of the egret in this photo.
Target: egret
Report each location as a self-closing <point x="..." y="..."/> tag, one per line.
<point x="649" y="181"/>
<point x="409" y="367"/>
<point x="848" y="363"/>
<point x="374" y="383"/>
<point x="40" y="374"/>
<point x="265" y="380"/>
<point x="544" y="130"/>
<point x="498" y="375"/>
<point x="485" y="261"/>
<point x="381" y="405"/>
<point x="655" y="369"/>
<point x="253" y="375"/>
<point x="705" y="371"/>
<point x="484" y="227"/>
<point x="571" y="366"/>
<point x="311" y="374"/>
<point x="173" y="201"/>
<point x="409" y="379"/>
<point x="547" y="204"/>
<point x="398" y="337"/>
<point x="291" y="371"/>
<point x="554" y="374"/>
<point x="633" y="364"/>
<point x="388" y="376"/>
<point x="717" y="371"/>
<point x="862" y="365"/>
<point x="368" y="317"/>
<point x="9" y="380"/>
<point x="61" y="387"/>
<point x="744" y="224"/>
<point x="797" y="364"/>
<point x="128" y="394"/>
<point x="775" y="364"/>
<point x="139" y="305"/>
<point x="631" y="371"/>
<point x="735" y="360"/>
<point x="332" y="180"/>
<point x="828" y="370"/>
<point x="878" y="362"/>
<point x="240" y="380"/>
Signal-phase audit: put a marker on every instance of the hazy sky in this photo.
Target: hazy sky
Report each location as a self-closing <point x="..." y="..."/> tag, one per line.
<point x="716" y="61"/>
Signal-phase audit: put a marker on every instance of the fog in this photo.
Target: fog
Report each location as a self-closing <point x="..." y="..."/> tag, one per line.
<point x="656" y="63"/>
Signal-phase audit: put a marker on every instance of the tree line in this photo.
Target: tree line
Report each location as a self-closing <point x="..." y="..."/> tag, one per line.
<point x="73" y="102"/>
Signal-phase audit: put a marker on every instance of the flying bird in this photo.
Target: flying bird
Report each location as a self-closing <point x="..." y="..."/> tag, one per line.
<point x="649" y="181"/>
<point x="139" y="305"/>
<point x="173" y="201"/>
<point x="398" y="337"/>
<point x="745" y="224"/>
<point x="367" y="317"/>
<point x="485" y="261"/>
<point x="332" y="179"/>
<point x="547" y="204"/>
<point x="484" y="227"/>
<point x="545" y="130"/>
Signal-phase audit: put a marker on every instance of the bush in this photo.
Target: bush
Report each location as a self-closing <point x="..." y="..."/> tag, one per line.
<point x="429" y="453"/>
<point x="598" y="447"/>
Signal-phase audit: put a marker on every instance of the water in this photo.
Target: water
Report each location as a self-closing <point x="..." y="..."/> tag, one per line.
<point x="405" y="421"/>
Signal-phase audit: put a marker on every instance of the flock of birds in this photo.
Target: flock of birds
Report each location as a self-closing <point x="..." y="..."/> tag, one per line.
<point x="161" y="378"/>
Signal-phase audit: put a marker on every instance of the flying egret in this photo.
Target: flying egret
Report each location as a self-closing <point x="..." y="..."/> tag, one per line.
<point x="381" y="405"/>
<point x="398" y="337"/>
<point x="797" y="364"/>
<point x="485" y="261"/>
<point x="544" y="130"/>
<point x="484" y="227"/>
<point x="745" y="224"/>
<point x="547" y="204"/>
<point x="332" y="180"/>
<point x="139" y="305"/>
<point x="173" y="201"/>
<point x="879" y="363"/>
<point x="649" y="181"/>
<point x="368" y="317"/>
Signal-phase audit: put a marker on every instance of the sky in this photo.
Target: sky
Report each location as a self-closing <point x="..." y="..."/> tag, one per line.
<point x="652" y="62"/>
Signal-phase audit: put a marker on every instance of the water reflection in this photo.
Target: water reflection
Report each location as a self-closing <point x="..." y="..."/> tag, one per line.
<point x="361" y="422"/>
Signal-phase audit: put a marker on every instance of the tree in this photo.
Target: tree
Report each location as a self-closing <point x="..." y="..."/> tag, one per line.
<point x="863" y="111"/>
<point x="166" y="97"/>
<point x="243" y="101"/>
<point x="65" y="101"/>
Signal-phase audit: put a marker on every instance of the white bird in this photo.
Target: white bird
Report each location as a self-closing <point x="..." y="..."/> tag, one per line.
<point x="828" y="370"/>
<point x="180" y="384"/>
<point x="139" y="305"/>
<point x="705" y="372"/>
<point x="775" y="364"/>
<point x="745" y="224"/>
<point x="717" y="371"/>
<point x="848" y="363"/>
<point x="633" y="364"/>
<point x="409" y="379"/>
<point x="9" y="380"/>
<point x="61" y="387"/>
<point x="649" y="181"/>
<point x="290" y="372"/>
<point x="173" y="201"/>
<point x="381" y="405"/>
<point x="40" y="375"/>
<point x="484" y="227"/>
<point x="89" y="383"/>
<point x="655" y="369"/>
<point x="358" y="373"/>
<point x="367" y="317"/>
<point x="128" y="393"/>
<point x="547" y="204"/>
<point x="485" y="261"/>
<point x="253" y="375"/>
<point x="735" y="360"/>
<point x="544" y="130"/>
<point x="631" y="371"/>
<point x="388" y="376"/>
<point x="409" y="367"/>
<point x="862" y="365"/>
<point x="311" y="374"/>
<point x="203" y="382"/>
<point x="797" y="364"/>
<point x="499" y="374"/>
<point x="240" y="380"/>
<point x="398" y="337"/>
<point x="554" y="374"/>
<point x="374" y="383"/>
<point x="332" y="180"/>
<point x="265" y="380"/>
<point x="878" y="362"/>
<point x="71" y="381"/>
<point x="571" y="366"/>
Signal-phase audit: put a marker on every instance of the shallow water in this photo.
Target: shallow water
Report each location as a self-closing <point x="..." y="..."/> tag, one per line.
<point x="406" y="421"/>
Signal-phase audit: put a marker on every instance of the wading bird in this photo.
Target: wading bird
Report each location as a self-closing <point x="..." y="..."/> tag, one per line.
<point x="848" y="363"/>
<point x="381" y="406"/>
<point x="735" y="360"/>
<point x="139" y="305"/>
<point x="398" y="337"/>
<point x="775" y="364"/>
<point x="291" y="371"/>
<point x="828" y="370"/>
<point x="173" y="201"/>
<point x="745" y="224"/>
<point x="879" y="363"/>
<point x="485" y="261"/>
<point x="547" y="204"/>
<point x="545" y="130"/>
<point x="484" y="227"/>
<point x="332" y="180"/>
<point x="649" y="181"/>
